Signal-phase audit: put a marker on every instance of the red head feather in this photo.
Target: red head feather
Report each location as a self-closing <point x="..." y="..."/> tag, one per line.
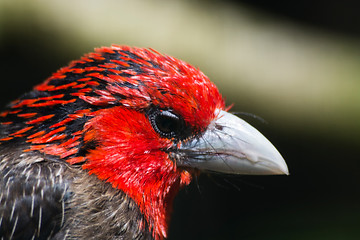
<point x="95" y="112"/>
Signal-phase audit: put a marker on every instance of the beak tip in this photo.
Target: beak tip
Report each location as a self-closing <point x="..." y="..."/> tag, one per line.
<point x="282" y="167"/>
<point x="283" y="170"/>
<point x="279" y="166"/>
<point x="267" y="167"/>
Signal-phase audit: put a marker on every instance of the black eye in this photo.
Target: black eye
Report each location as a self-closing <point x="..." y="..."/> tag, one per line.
<point x="167" y="123"/>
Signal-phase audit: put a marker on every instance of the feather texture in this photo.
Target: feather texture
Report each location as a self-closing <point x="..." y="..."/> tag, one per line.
<point x="80" y="158"/>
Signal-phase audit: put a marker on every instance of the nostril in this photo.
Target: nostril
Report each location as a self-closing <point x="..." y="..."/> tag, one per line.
<point x="219" y="127"/>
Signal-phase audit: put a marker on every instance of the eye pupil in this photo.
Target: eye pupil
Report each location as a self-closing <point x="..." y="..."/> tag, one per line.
<point x="166" y="123"/>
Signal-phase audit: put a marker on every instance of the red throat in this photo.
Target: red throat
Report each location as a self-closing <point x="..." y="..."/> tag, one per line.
<point x="129" y="156"/>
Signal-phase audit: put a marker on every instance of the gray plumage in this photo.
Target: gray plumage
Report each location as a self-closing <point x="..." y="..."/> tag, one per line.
<point x="49" y="199"/>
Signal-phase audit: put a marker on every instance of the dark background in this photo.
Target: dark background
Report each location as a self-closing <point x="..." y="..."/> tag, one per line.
<point x="320" y="198"/>
<point x="336" y="16"/>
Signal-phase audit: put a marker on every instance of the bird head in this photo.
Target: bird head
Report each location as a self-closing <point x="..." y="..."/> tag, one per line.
<point x="142" y="121"/>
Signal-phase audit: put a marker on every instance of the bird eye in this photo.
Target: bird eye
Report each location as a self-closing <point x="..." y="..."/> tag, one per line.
<point x="166" y="123"/>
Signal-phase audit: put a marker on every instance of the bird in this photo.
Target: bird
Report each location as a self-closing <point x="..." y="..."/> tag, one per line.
<point x="100" y="149"/>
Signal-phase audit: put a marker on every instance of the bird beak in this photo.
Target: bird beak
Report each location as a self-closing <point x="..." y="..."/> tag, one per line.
<point x="231" y="145"/>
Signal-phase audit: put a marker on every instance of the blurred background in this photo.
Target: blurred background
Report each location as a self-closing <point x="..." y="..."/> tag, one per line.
<point x="295" y="64"/>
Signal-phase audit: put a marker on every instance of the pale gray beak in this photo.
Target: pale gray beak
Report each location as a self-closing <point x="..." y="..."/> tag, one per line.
<point x="231" y="145"/>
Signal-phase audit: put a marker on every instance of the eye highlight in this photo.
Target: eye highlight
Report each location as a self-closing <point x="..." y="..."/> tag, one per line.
<point x="167" y="124"/>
